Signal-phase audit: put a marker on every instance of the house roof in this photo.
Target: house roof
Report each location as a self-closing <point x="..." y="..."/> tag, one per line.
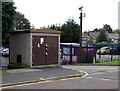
<point x="95" y="34"/>
<point x="113" y="36"/>
<point x="84" y="34"/>
<point x="92" y="34"/>
<point x="38" y="31"/>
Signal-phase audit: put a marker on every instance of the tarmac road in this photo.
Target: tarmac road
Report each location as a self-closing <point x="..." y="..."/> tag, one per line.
<point x="28" y="75"/>
<point x="93" y="69"/>
<point x="99" y="77"/>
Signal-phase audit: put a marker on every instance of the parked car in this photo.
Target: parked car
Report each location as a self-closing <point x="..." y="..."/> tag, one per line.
<point x="107" y="50"/>
<point x="1" y="50"/>
<point x="5" y="52"/>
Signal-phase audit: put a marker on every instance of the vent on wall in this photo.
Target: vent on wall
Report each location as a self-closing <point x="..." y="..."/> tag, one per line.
<point x="19" y="58"/>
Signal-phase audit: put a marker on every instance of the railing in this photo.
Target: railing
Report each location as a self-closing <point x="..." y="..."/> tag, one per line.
<point x="69" y="53"/>
<point x="4" y="61"/>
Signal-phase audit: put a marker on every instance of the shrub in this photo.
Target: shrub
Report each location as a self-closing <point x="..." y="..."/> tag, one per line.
<point x="16" y="66"/>
<point x="102" y="43"/>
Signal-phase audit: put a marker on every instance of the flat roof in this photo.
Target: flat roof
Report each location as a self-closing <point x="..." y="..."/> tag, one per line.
<point x="38" y="31"/>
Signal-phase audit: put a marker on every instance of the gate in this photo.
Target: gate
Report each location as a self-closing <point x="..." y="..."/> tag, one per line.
<point x="4" y="61"/>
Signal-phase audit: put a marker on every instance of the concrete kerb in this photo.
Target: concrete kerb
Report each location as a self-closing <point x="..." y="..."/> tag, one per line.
<point x="46" y="66"/>
<point x="95" y="65"/>
<point x="51" y="78"/>
<point x="68" y="76"/>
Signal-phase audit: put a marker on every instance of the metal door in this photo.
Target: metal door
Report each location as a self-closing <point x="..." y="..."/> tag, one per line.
<point x="45" y="50"/>
<point x="52" y="43"/>
<point x="38" y="51"/>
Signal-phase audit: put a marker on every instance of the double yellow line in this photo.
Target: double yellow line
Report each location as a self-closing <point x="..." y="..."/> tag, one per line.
<point x="45" y="81"/>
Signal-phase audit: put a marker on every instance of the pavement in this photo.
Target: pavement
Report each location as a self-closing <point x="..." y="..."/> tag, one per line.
<point x="21" y="76"/>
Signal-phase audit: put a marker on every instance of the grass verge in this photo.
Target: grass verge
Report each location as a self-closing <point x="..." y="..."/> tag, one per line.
<point x="116" y="62"/>
<point x="3" y="71"/>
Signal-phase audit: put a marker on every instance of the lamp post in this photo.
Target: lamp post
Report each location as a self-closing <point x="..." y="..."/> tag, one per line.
<point x="80" y="36"/>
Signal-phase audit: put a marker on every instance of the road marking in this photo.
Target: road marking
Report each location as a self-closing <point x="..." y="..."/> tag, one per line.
<point x="86" y="74"/>
<point x="26" y="84"/>
<point x="105" y="79"/>
<point x="45" y="81"/>
<point x="97" y="73"/>
<point x="42" y="79"/>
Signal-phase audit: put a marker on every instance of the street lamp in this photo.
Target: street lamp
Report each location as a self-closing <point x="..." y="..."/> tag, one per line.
<point x="80" y="36"/>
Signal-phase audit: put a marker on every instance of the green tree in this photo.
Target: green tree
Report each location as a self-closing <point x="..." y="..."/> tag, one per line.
<point x="8" y="12"/>
<point x="20" y="22"/>
<point x="90" y="40"/>
<point x="107" y="27"/>
<point x="55" y="27"/>
<point x="117" y="31"/>
<point x="96" y="30"/>
<point x="12" y="20"/>
<point x="102" y="37"/>
<point x="70" y="32"/>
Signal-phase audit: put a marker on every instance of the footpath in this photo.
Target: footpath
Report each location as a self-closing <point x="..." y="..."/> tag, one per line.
<point x="21" y="76"/>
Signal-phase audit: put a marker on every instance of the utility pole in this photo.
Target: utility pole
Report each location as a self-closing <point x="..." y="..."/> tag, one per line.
<point x="0" y="24"/>
<point x="80" y="36"/>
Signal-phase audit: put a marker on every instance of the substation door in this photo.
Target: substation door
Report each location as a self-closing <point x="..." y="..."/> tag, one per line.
<point x="44" y="50"/>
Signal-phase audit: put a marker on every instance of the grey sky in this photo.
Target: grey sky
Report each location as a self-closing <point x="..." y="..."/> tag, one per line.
<point x="47" y="12"/>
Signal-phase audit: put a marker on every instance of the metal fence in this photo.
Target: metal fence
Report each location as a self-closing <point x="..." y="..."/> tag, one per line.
<point x="104" y="58"/>
<point x="4" y="61"/>
<point x="70" y="52"/>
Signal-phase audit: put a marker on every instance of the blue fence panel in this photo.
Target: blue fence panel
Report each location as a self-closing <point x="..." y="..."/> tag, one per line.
<point x="69" y="54"/>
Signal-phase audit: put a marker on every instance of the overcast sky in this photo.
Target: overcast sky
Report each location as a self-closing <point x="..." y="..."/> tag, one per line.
<point x="47" y="12"/>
